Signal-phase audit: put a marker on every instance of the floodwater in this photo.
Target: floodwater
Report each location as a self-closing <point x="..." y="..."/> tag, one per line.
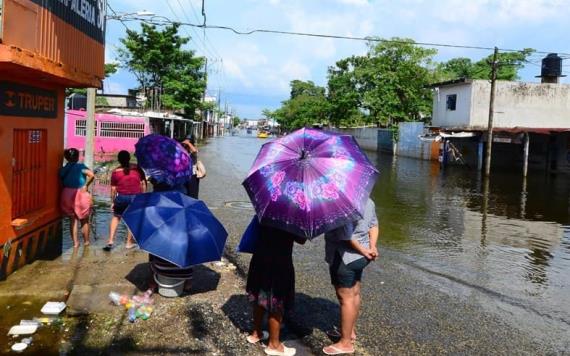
<point x="506" y="239"/>
<point x="503" y="243"/>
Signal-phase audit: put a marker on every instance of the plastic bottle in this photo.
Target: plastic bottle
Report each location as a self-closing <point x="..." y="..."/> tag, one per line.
<point x="115" y="298"/>
<point x="124" y="299"/>
<point x="132" y="314"/>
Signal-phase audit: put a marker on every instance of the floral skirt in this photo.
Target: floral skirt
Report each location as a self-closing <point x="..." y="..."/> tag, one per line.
<point x="271" y="284"/>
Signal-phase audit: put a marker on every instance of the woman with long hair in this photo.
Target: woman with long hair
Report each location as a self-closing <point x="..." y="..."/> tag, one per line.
<point x="75" y="198"/>
<point x="127" y="181"/>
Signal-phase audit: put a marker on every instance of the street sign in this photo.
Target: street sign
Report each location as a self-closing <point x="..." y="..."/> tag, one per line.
<point x="27" y="101"/>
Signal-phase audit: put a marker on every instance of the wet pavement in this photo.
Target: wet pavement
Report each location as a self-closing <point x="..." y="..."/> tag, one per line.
<point x="465" y="267"/>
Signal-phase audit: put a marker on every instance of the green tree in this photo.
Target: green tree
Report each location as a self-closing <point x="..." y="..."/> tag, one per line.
<point x="391" y="81"/>
<point x="307" y="105"/>
<point x="344" y="97"/>
<point x="509" y="65"/>
<point x="170" y="76"/>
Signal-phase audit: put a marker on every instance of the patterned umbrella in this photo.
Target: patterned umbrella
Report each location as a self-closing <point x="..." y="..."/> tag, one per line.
<point x="163" y="159"/>
<point x="310" y="182"/>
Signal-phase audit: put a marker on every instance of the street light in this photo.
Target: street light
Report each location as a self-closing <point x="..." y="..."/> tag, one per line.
<point x="128" y="15"/>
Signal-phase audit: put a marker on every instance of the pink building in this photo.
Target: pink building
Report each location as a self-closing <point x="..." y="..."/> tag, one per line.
<point x="113" y="132"/>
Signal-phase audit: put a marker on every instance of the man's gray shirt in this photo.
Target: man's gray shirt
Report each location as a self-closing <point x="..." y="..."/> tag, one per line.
<point x="358" y="230"/>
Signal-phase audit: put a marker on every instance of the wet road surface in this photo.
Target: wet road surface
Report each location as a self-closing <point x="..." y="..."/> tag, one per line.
<point x="466" y="266"/>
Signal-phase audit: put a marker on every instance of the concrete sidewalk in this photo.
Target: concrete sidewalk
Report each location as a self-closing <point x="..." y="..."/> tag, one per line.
<point x="198" y="323"/>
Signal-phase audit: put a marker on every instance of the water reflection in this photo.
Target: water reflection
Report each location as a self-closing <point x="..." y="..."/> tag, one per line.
<point x="504" y="234"/>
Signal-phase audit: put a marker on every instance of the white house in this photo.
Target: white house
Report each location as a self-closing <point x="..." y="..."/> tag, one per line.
<point x="464" y="104"/>
<point x="531" y="123"/>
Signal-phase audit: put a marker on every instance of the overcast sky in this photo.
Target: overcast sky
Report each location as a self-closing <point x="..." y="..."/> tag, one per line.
<point x="253" y="72"/>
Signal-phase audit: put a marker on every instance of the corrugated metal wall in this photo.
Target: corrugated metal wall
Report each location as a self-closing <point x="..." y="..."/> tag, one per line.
<point x="34" y="28"/>
<point x="62" y="43"/>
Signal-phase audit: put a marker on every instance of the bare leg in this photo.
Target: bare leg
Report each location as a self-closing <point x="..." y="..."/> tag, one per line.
<point x="130" y="241"/>
<point x="258" y="313"/>
<point x="356" y="307"/>
<point x="85" y="231"/>
<point x="274" y="322"/>
<point x="113" y="228"/>
<point x="73" y="222"/>
<point x="348" y="315"/>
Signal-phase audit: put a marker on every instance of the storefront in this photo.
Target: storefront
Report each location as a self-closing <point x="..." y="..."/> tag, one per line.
<point x="46" y="46"/>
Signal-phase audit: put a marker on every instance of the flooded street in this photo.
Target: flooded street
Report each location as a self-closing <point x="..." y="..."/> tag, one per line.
<point x="504" y="245"/>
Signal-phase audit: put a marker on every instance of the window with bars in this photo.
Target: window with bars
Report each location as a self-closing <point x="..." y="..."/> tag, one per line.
<point x="122" y="129"/>
<point x="80" y="127"/>
<point x="29" y="160"/>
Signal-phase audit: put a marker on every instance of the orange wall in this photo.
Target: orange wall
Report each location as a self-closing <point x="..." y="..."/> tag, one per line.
<point x="54" y="155"/>
<point x="50" y="44"/>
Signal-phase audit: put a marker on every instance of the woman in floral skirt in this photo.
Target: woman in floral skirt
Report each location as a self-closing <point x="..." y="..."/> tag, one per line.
<point x="271" y="285"/>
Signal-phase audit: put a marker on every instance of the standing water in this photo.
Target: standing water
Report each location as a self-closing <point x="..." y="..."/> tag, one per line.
<point x="506" y="239"/>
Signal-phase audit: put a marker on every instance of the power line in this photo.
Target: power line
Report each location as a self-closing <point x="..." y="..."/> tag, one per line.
<point x="160" y="20"/>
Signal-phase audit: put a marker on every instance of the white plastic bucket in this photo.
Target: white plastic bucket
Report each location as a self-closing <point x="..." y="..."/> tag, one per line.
<point x="169" y="287"/>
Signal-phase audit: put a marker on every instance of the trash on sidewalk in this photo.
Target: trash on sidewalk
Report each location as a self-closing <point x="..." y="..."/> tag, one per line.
<point x="53" y="308"/>
<point x="144" y="312"/>
<point x="46" y="320"/>
<point x="19" y="346"/>
<point x="23" y="329"/>
<point x="30" y="322"/>
<point x="138" y="307"/>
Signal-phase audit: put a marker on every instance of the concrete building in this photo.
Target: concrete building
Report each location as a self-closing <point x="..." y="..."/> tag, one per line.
<point x="464" y="104"/>
<point x="531" y="123"/>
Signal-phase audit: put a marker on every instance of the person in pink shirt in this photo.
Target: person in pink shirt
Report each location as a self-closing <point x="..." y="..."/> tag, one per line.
<point x="127" y="181"/>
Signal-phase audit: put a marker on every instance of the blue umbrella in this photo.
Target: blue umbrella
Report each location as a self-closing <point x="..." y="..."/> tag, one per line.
<point x="175" y="227"/>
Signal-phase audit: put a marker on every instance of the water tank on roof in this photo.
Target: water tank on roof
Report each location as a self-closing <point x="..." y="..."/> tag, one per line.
<point x="551" y="66"/>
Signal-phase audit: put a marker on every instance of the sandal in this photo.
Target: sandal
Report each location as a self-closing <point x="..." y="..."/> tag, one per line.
<point x="287" y="351"/>
<point x="129" y="246"/>
<point x="253" y="340"/>
<point x="335" y="335"/>
<point x="333" y="350"/>
<point x="108" y="247"/>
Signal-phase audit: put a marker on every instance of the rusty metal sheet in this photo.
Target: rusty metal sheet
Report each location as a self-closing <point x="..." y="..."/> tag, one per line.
<point x="65" y="39"/>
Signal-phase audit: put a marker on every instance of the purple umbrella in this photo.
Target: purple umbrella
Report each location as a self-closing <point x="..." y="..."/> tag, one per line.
<point x="310" y="182"/>
<point x="163" y="159"/>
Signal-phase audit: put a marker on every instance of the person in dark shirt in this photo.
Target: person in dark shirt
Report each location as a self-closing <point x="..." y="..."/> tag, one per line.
<point x="271" y="285"/>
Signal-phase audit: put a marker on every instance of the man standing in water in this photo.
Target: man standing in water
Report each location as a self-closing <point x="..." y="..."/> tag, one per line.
<point x="349" y="249"/>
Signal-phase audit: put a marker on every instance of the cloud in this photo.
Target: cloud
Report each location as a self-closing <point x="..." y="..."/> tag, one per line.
<point x="354" y="2"/>
<point x="263" y="64"/>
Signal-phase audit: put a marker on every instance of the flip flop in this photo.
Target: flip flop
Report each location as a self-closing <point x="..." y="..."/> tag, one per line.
<point x="335" y="334"/>
<point x="336" y="351"/>
<point x="108" y="247"/>
<point x="128" y="247"/>
<point x="252" y="340"/>
<point x="287" y="351"/>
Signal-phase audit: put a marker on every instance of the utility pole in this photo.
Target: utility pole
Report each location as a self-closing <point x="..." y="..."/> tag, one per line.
<point x="90" y="128"/>
<point x="494" y="66"/>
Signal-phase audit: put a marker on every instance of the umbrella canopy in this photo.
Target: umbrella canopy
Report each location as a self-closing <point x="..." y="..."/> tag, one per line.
<point x="175" y="227"/>
<point x="163" y="159"/>
<point x="310" y="182"/>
